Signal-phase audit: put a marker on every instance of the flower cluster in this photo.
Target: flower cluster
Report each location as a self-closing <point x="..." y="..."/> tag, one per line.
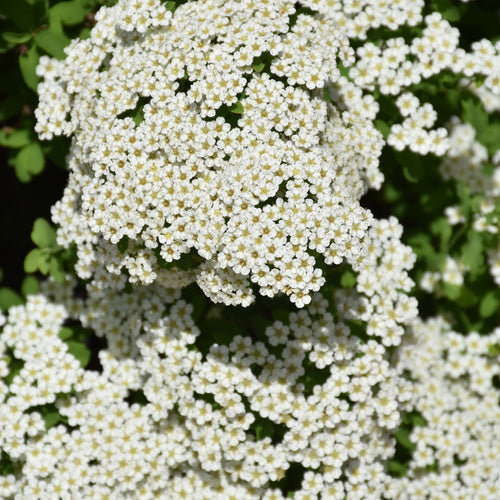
<point x="465" y="162"/>
<point x="232" y="419"/>
<point x="456" y="452"/>
<point x="381" y="298"/>
<point x="395" y="65"/>
<point x="212" y="141"/>
<point x="235" y="417"/>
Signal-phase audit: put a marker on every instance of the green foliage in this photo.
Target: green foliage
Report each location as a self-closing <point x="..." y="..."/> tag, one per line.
<point x="487" y="133"/>
<point x="347" y="279"/>
<point x="472" y="253"/>
<point x="6" y="464"/>
<point x="80" y="351"/>
<point x="50" y="414"/>
<point x="68" y="13"/>
<point x="52" y="42"/>
<point x="383" y="127"/>
<point x="30" y="29"/>
<point x="413" y="168"/>
<point x="448" y="9"/>
<point x="11" y="138"/>
<point x="76" y="338"/>
<point x="43" y="234"/>
<point x="29" y="161"/>
<point x="237" y="108"/>
<point x="30" y="285"/>
<point x="490" y="304"/>
<point x="48" y="258"/>
<point x="8" y="298"/>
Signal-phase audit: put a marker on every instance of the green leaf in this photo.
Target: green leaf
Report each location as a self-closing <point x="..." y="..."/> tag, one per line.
<point x="6" y="464"/>
<point x="422" y="246"/>
<point x="258" y="66"/>
<point x="237" y="108"/>
<point x="80" y="351"/>
<point x="494" y="350"/>
<point x="472" y="253"/>
<point x="16" y="38"/>
<point x="403" y="438"/>
<point x="183" y="262"/>
<point x="123" y="244"/>
<point x="32" y="259"/>
<point x="490" y="304"/>
<point x="65" y="333"/>
<point x="15" y="367"/>
<point x="447" y="10"/>
<point x="84" y="34"/>
<point x="56" y="269"/>
<point x="452" y="15"/>
<point x="263" y="428"/>
<point x="452" y="292"/>
<point x="396" y="469"/>
<point x="442" y="228"/>
<point x="383" y="128"/>
<point x="466" y="298"/>
<point x="29" y="160"/>
<point x="43" y="234"/>
<point x="348" y="279"/>
<point x="418" y="420"/>
<point x="23" y="175"/>
<point x="22" y="15"/>
<point x="474" y="113"/>
<point x="490" y="137"/>
<point x="8" y="298"/>
<point x="52" y="42"/>
<point x="27" y="65"/>
<point x="463" y="193"/>
<point x="68" y="13"/>
<point x="43" y="263"/>
<point x="51" y="418"/>
<point x="30" y="286"/>
<point x="15" y="138"/>
<point x="412" y="166"/>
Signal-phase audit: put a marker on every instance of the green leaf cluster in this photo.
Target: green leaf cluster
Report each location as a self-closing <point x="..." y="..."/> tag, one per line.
<point x="487" y="128"/>
<point x="28" y="30"/>
<point x="48" y="257"/>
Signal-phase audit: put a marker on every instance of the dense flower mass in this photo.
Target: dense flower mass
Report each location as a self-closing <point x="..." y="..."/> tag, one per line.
<point x="213" y="140"/>
<point x="196" y="429"/>
<point x="224" y="149"/>
<point x="456" y="452"/>
<point x="235" y="417"/>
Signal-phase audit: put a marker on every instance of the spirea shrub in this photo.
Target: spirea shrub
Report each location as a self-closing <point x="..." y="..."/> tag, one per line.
<point x="275" y="266"/>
